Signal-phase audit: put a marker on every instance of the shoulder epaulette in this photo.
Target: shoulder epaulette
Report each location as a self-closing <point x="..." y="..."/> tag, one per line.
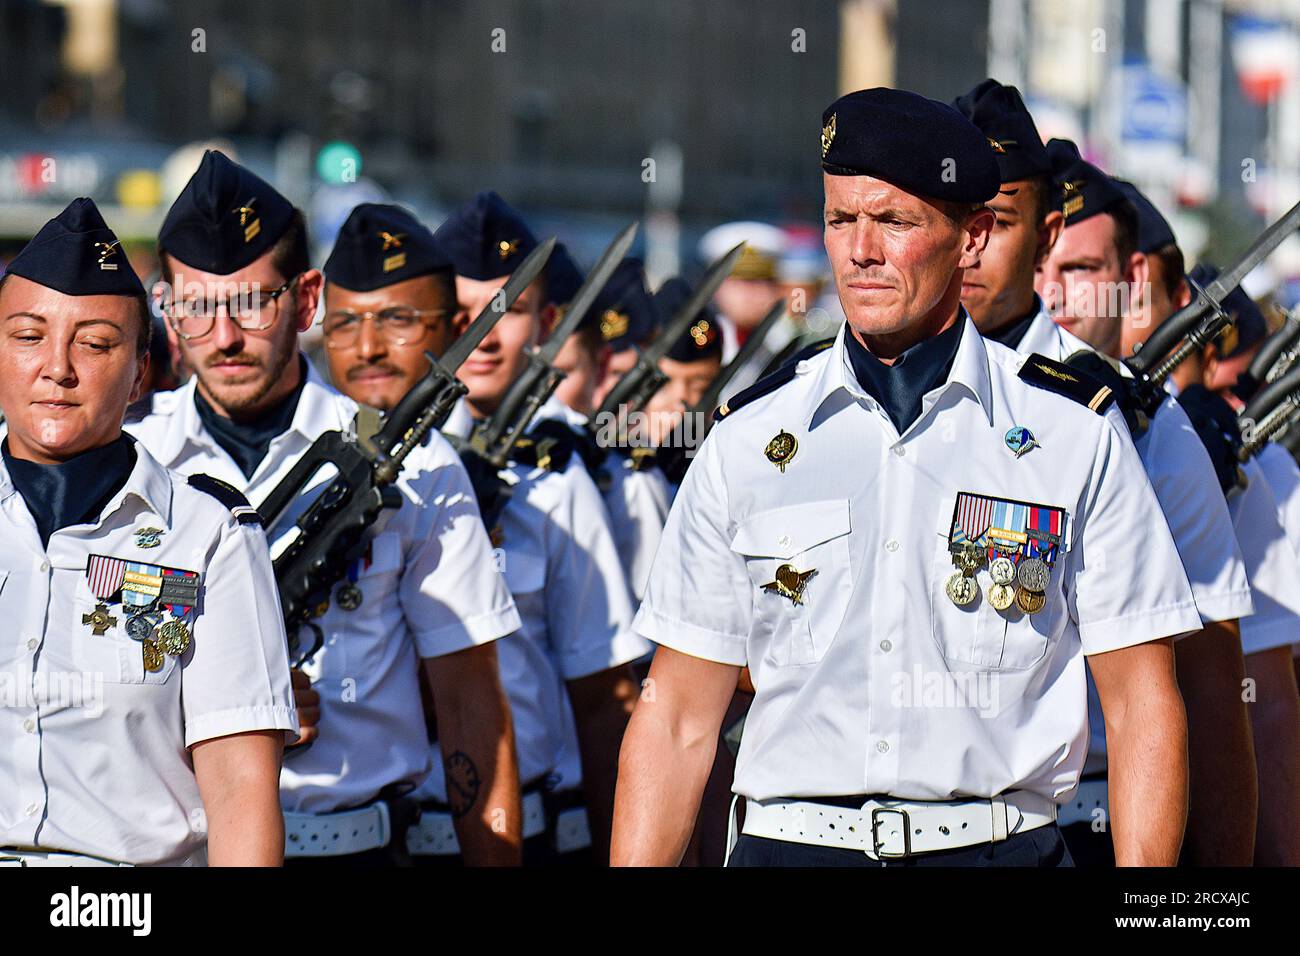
<point x="1124" y="390"/>
<point x="770" y="383"/>
<point x="1068" y="380"/>
<point x="550" y="445"/>
<point x="228" y="495"/>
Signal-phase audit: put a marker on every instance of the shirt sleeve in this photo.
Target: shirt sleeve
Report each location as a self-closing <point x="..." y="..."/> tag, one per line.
<point x="1197" y="515"/>
<point x="588" y="602"/>
<point x="1271" y="566"/>
<point x="452" y="591"/>
<point x="699" y="598"/>
<point x="237" y="678"/>
<point x="1128" y="585"/>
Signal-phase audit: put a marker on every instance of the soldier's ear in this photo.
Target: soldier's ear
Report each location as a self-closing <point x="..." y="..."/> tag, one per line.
<point x="1137" y="273"/>
<point x="1048" y="232"/>
<point x="309" y="292"/>
<point x="975" y="236"/>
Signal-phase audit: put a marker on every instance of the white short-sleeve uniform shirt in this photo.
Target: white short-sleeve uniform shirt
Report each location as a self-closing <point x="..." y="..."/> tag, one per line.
<point x="429" y="587"/>
<point x="94" y="754"/>
<point x="877" y="683"/>
<point x="562" y="568"/>
<point x="1271" y="562"/>
<point x="1283" y="476"/>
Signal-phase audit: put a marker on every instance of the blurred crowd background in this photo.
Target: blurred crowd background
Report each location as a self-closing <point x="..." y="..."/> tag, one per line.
<point x="586" y="114"/>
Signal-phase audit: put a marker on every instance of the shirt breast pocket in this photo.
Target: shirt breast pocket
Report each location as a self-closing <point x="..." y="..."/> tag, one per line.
<point x="356" y="632"/>
<point x="799" y="564"/>
<point x="112" y="655"/>
<point x="978" y="634"/>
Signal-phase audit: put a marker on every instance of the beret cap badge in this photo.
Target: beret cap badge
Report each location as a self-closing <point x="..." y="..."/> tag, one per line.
<point x="507" y="248"/>
<point x="613" y="325"/>
<point x="828" y="135"/>
<point x="700" y="332"/>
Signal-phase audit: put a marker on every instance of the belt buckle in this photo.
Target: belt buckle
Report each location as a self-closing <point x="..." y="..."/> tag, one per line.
<point x="875" y="829"/>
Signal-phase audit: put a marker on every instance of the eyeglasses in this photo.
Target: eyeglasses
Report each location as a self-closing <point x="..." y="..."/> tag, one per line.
<point x="399" y="325"/>
<point x="253" y="312"/>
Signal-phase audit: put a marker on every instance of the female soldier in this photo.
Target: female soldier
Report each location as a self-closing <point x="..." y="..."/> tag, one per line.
<point x="142" y="655"/>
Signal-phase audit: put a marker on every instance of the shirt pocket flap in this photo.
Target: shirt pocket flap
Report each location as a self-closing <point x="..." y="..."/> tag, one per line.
<point x="785" y="532"/>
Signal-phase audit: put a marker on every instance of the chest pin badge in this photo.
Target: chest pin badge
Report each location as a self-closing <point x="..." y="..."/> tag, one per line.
<point x="1020" y="440"/>
<point x="781" y="449"/>
<point x="148" y="537"/>
<point x="790" y="583"/>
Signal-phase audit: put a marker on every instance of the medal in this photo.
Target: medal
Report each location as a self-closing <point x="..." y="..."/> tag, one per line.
<point x="153" y="657"/>
<point x="790" y="583"/>
<point x="968" y="559"/>
<point x="961" y="589"/>
<point x="1002" y="596"/>
<point x="1003" y="571"/>
<point x="1031" y="602"/>
<point x="139" y="627"/>
<point x="148" y="537"/>
<point x="1033" y="574"/>
<point x="99" y="620"/>
<point x="141" y="585"/>
<point x="349" y="597"/>
<point x="781" y="449"/>
<point x="173" y="637"/>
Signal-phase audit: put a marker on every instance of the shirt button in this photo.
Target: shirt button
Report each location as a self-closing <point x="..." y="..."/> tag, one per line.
<point x="29" y="725"/>
<point x="31" y="809"/>
<point x="900" y="451"/>
<point x="886" y="645"/>
<point x="891" y="545"/>
<point x="31" y="645"/>
<point x="882" y="746"/>
<point x="45" y="566"/>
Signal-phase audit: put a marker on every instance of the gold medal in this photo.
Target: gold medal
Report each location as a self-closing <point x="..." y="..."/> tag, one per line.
<point x="1002" y="596"/>
<point x="961" y="589"/>
<point x="173" y="637"/>
<point x="153" y="657"/>
<point x="1031" y="602"/>
<point x="781" y="449"/>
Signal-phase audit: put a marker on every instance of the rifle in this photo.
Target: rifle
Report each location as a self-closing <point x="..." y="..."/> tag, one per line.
<point x="1274" y="358"/>
<point x="490" y="444"/>
<point x="645" y="378"/>
<point x="671" y="456"/>
<point x="1197" y="323"/>
<point x="330" y="532"/>
<point x="1270" y="411"/>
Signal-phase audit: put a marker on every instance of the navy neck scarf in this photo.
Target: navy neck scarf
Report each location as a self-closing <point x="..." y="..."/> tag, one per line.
<point x="74" y="491"/>
<point x="248" y="442"/>
<point x="900" y="387"/>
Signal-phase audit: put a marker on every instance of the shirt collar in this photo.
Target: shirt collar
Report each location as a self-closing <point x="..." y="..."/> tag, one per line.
<point x="970" y="371"/>
<point x="317" y="412"/>
<point x="148" y="481"/>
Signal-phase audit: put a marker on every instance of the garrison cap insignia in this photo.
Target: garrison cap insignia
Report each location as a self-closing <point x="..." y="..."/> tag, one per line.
<point x="828" y="135"/>
<point x="392" y="240"/>
<point x="106" y="249"/>
<point x="507" y="248"/>
<point x="251" y="229"/>
<point x="1068" y="381"/>
<point x="1073" y="198"/>
<point x="790" y="583"/>
<point x="613" y="325"/>
<point x="781" y="449"/>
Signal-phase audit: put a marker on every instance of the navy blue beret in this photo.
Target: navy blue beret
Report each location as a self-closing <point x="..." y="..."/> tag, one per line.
<point x="703" y="338"/>
<point x="563" y="277"/>
<point x="625" y="310"/>
<point x="918" y="144"/>
<point x="77" y="254"/>
<point x="485" y="238"/>
<point x="1154" y="231"/>
<point x="1082" y="189"/>
<point x="1001" y="115"/>
<point x="1250" y="327"/>
<point x="380" y="245"/>
<point x="224" y="218"/>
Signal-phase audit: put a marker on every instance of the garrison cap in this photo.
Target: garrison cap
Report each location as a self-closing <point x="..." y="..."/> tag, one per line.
<point x="77" y="254"/>
<point x="1249" y="328"/>
<point x="702" y="338"/>
<point x="1154" y="231"/>
<point x="918" y="144"/>
<point x="224" y="218"/>
<point x="381" y="245"/>
<point x="625" y="310"/>
<point x="563" y="277"/>
<point x="1082" y="189"/>
<point x="485" y="238"/>
<point x="1003" y="118"/>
